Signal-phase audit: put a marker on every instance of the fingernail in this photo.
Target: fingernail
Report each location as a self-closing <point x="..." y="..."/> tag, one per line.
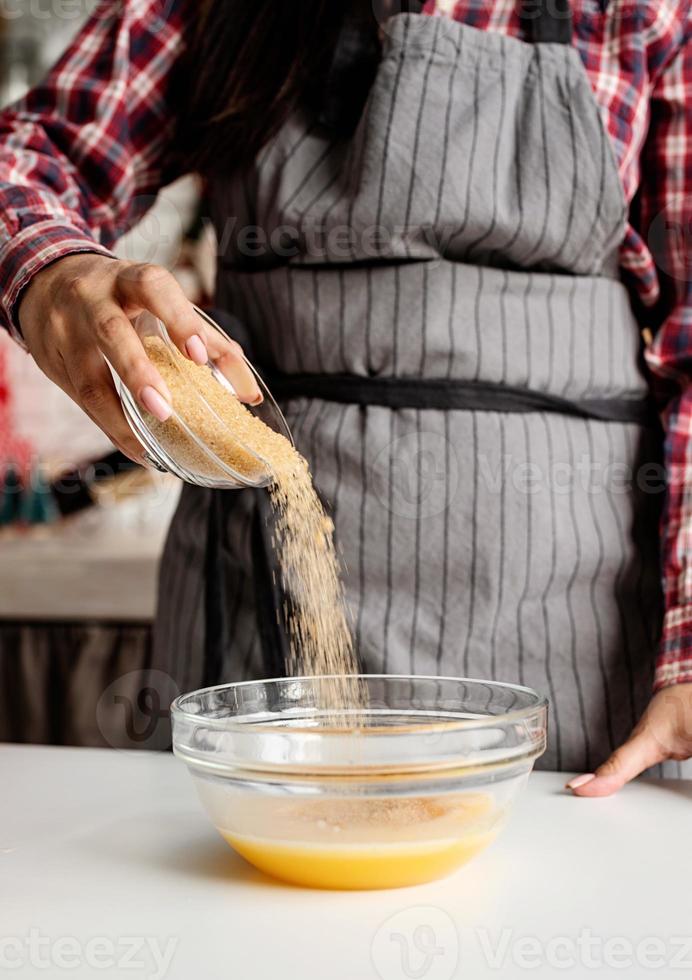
<point x="580" y="780"/>
<point x="155" y="403"/>
<point x="258" y="399"/>
<point x="196" y="350"/>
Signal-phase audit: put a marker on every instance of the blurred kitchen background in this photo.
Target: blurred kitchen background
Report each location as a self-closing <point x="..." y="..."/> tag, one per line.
<point x="81" y="528"/>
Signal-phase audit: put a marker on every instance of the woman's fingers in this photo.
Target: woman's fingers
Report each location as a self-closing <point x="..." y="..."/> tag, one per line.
<point x="641" y="751"/>
<point x="153" y="288"/>
<point x="118" y="340"/>
<point x="233" y="366"/>
<point x="88" y="382"/>
<point x="664" y="732"/>
<point x="227" y="355"/>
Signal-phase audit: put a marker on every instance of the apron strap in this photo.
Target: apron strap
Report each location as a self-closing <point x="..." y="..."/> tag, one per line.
<point x="547" y="21"/>
<point x="351" y="73"/>
<point x="269" y="597"/>
<point x="453" y="394"/>
<point x="215" y="620"/>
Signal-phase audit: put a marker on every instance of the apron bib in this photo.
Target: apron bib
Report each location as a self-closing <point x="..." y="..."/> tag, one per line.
<point x="436" y="301"/>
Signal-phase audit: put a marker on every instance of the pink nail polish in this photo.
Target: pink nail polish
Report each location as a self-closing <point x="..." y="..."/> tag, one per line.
<point x="580" y="780"/>
<point x="155" y="403"/>
<point x="196" y="350"/>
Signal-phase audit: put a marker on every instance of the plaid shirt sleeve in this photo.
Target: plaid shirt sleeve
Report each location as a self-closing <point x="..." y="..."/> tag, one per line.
<point x="666" y="221"/>
<point x="82" y="156"/>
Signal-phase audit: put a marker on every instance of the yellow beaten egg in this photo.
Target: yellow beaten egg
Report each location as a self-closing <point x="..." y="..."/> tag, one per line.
<point x="367" y="843"/>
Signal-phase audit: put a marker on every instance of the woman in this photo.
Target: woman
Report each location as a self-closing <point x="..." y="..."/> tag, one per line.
<point x="425" y="228"/>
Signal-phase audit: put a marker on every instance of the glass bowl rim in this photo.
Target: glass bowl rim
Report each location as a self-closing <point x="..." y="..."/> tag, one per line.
<point x="539" y="703"/>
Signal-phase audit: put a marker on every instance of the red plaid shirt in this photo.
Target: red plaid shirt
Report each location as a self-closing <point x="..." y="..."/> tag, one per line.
<point x="84" y="154"/>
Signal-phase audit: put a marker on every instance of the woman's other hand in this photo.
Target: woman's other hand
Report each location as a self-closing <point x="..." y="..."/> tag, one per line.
<point x="664" y="732"/>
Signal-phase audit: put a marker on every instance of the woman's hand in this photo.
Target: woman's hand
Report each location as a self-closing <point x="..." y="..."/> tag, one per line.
<point x="79" y="309"/>
<point x="664" y="732"/>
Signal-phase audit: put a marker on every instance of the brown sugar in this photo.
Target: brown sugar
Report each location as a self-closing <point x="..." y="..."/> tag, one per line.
<point x="320" y="638"/>
<point x="392" y="812"/>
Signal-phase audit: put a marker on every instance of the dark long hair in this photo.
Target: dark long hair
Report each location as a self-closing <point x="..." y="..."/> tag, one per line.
<point x="247" y="65"/>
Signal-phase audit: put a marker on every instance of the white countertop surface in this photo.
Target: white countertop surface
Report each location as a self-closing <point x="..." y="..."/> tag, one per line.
<point x="113" y="849"/>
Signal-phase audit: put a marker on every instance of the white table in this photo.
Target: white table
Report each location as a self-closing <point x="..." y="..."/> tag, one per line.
<point x="113" y="848"/>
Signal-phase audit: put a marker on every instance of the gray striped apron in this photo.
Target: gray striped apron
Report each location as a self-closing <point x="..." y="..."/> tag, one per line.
<point x="436" y="300"/>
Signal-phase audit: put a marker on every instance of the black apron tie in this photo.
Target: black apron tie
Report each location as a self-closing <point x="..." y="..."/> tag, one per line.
<point x="547" y="21"/>
<point x="451" y="394"/>
<point x="215" y="624"/>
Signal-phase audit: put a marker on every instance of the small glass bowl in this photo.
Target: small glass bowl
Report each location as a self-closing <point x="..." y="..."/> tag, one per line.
<point x="196" y="462"/>
<point x="401" y="792"/>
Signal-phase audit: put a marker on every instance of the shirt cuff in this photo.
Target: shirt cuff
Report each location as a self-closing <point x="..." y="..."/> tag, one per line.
<point x="29" y="251"/>
<point x="674" y="665"/>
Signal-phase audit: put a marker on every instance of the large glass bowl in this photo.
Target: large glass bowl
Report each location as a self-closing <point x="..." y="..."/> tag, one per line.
<point x="398" y="793"/>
